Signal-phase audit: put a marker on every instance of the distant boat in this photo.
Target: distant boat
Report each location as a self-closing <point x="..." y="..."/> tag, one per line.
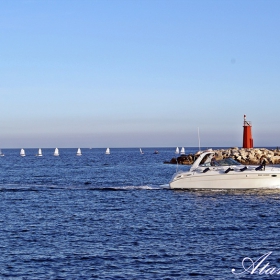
<point x="1" y="154"/>
<point x="177" y="150"/>
<point x="22" y="153"/>
<point x="107" y="151"/>
<point x="79" y="152"/>
<point x="155" y="152"/>
<point x="56" y="152"/>
<point x="141" y="152"/>
<point x="182" y="151"/>
<point x="40" y="154"/>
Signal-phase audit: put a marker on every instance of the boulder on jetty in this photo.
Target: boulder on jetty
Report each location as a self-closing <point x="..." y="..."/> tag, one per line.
<point x="253" y="156"/>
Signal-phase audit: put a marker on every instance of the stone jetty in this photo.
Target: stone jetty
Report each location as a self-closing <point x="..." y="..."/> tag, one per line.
<point x="253" y="156"/>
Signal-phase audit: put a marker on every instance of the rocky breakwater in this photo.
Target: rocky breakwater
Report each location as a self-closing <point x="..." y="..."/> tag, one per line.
<point x="252" y="156"/>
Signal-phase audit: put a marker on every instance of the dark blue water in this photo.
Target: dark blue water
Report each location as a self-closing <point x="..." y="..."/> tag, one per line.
<point x="113" y="217"/>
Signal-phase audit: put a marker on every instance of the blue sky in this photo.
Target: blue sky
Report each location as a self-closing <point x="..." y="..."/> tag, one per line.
<point x="138" y="73"/>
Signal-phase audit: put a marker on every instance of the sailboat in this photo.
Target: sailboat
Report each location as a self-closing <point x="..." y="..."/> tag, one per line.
<point x="1" y="154"/>
<point x="56" y="152"/>
<point x="79" y="152"/>
<point x="177" y="150"/>
<point x="40" y="154"/>
<point x="141" y="152"/>
<point x="22" y="153"/>
<point x="182" y="151"/>
<point x="107" y="151"/>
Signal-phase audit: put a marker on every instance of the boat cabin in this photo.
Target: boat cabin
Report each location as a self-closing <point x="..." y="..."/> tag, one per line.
<point x="207" y="159"/>
<point x="222" y="162"/>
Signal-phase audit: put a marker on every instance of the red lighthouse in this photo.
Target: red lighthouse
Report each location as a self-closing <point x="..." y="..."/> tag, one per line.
<point x="247" y="134"/>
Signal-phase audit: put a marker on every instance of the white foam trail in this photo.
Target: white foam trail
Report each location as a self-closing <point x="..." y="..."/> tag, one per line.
<point x="165" y="186"/>
<point x="138" y="188"/>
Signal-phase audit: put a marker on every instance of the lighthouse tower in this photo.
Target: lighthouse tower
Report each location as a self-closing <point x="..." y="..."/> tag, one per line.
<point x="247" y="134"/>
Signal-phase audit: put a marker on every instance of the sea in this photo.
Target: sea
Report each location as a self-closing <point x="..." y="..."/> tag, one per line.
<point x="114" y="216"/>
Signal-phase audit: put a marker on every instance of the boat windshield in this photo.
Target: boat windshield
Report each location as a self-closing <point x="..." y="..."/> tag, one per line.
<point x="226" y="162"/>
<point x="222" y="162"/>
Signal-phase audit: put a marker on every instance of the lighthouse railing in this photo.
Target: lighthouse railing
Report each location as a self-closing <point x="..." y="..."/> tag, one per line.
<point x="247" y="123"/>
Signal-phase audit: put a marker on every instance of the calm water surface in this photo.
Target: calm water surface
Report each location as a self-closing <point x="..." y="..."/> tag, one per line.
<point x="113" y="217"/>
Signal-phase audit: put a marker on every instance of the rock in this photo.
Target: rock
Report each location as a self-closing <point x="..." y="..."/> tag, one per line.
<point x="275" y="159"/>
<point x="173" y="161"/>
<point x="252" y="156"/>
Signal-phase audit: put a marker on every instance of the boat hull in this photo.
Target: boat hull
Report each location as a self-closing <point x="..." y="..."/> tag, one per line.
<point x="240" y="180"/>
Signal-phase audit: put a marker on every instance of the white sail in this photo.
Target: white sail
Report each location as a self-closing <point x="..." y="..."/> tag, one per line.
<point x="22" y="152"/>
<point x="182" y="151"/>
<point x="79" y="152"/>
<point x="107" y="151"/>
<point x="40" y="154"/>
<point x="1" y="154"/>
<point x="141" y="152"/>
<point x="177" y="150"/>
<point x="56" y="152"/>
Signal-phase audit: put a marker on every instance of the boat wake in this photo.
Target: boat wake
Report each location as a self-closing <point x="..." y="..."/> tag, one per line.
<point x="38" y="187"/>
<point x="126" y="188"/>
<point x="139" y="188"/>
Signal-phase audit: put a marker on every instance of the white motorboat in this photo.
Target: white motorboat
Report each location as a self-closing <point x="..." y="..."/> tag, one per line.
<point x="208" y="173"/>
